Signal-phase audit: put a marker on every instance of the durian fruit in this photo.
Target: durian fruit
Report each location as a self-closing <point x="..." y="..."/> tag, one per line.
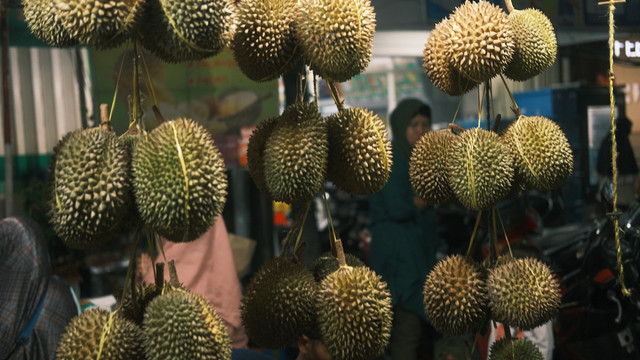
<point x="264" y="43"/>
<point x="43" y="21"/>
<point x="100" y="23"/>
<point x="130" y="140"/>
<point x="481" y="40"/>
<point x="182" y="325"/>
<point x="82" y="338"/>
<point x="542" y="154"/>
<point x="295" y="155"/>
<point x="480" y="169"/>
<point x="90" y="187"/>
<point x="133" y="306"/>
<point x="438" y="62"/>
<point x="336" y="36"/>
<point x="535" y="44"/>
<point x="255" y="152"/>
<point x="326" y="264"/>
<point x="359" y="151"/>
<point x="515" y="349"/>
<point x="523" y="293"/>
<point x="278" y="304"/>
<point x="428" y="167"/>
<point x="354" y="313"/>
<point x="187" y="30"/>
<point x="455" y="295"/>
<point x="179" y="179"/>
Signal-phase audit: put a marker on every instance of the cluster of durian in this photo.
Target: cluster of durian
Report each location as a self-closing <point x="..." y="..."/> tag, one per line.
<point x="334" y="37"/>
<point x="153" y="323"/>
<point x="460" y="295"/>
<point x="479" y="41"/>
<point x="480" y="167"/>
<point x="173" y="30"/>
<point x="290" y="156"/>
<point x="348" y="306"/>
<point x="172" y="180"/>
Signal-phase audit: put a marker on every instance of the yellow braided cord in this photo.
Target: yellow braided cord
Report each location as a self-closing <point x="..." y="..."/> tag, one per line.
<point x="106" y="329"/>
<point x="614" y="155"/>
<point x="186" y="178"/>
<point x="521" y="151"/>
<point x="184" y="39"/>
<point x="473" y="234"/>
<point x="470" y="171"/>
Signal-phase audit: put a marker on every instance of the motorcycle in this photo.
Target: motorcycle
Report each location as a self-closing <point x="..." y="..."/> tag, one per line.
<point x="596" y="320"/>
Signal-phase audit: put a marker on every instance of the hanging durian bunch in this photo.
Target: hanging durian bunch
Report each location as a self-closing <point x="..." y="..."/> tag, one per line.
<point x="173" y="30"/>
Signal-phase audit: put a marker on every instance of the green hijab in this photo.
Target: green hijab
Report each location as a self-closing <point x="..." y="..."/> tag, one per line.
<point x="400" y="118"/>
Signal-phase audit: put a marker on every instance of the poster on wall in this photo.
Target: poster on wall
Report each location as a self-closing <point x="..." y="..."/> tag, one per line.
<point x="213" y="92"/>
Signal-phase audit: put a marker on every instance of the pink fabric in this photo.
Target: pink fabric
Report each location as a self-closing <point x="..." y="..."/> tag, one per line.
<point x="205" y="266"/>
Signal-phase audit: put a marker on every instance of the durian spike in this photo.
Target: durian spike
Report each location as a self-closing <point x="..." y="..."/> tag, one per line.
<point x="105" y="124"/>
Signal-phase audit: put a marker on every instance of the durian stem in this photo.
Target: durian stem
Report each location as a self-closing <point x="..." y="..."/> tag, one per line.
<point x="158" y="114"/>
<point x="105" y="124"/>
<point x="509" y="5"/>
<point x="473" y="234"/>
<point x="332" y="230"/>
<point x="159" y="275"/>
<point x="147" y="77"/>
<point x="173" y="274"/>
<point x="496" y="123"/>
<point x="614" y="152"/>
<point x="296" y="247"/>
<point x="507" y="332"/>
<point x="455" y="127"/>
<point x="494" y="230"/>
<point x="335" y="95"/>
<point x="515" y="108"/>
<point x="286" y="243"/>
<point x="340" y="253"/>
<point x="315" y="89"/>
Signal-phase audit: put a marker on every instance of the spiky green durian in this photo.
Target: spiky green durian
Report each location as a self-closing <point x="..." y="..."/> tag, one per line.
<point x="278" y="304"/>
<point x="336" y="36"/>
<point x="455" y="296"/>
<point x="535" y="44"/>
<point x="428" y="167"/>
<point x="438" y="62"/>
<point x="542" y="154"/>
<point x="255" y="152"/>
<point x="130" y="140"/>
<point x="43" y="21"/>
<point x="295" y="155"/>
<point x="99" y="23"/>
<point x="183" y="325"/>
<point x="179" y="30"/>
<point x="354" y="313"/>
<point x="523" y="293"/>
<point x="480" y="169"/>
<point x="179" y="179"/>
<point x="83" y="334"/>
<point x="359" y="151"/>
<point x="481" y="40"/>
<point x="326" y="263"/>
<point x="90" y="187"/>
<point x="515" y="349"/>
<point x="264" y="43"/>
<point x="133" y="306"/>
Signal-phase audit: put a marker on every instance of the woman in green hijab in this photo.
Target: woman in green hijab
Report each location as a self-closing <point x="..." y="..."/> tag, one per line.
<point x="403" y="229"/>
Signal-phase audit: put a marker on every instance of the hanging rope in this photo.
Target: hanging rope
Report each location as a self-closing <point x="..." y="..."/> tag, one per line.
<point x="614" y="147"/>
